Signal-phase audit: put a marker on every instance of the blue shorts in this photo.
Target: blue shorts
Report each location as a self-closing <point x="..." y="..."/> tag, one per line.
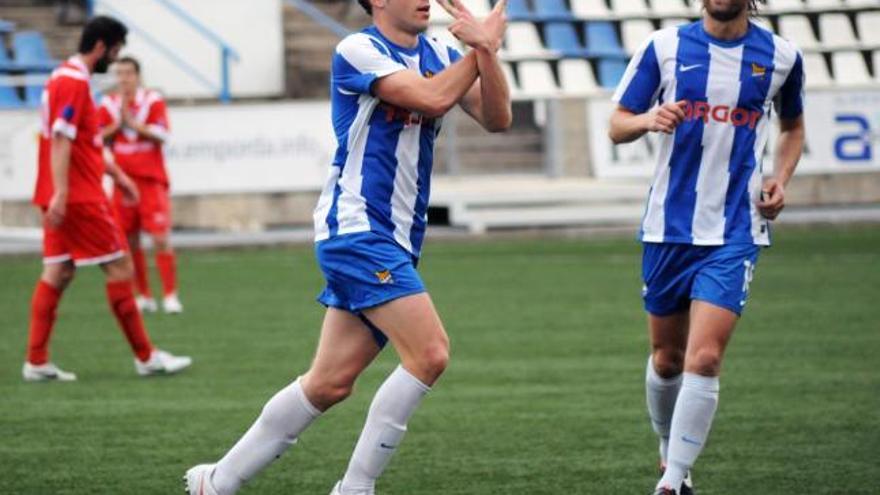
<point x="365" y="270"/>
<point x="676" y="274"/>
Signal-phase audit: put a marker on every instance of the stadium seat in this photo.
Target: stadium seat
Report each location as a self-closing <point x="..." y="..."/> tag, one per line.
<point x="876" y="60"/>
<point x="480" y="8"/>
<point x="518" y="10"/>
<point x="6" y="26"/>
<point x="630" y="8"/>
<point x="522" y="41"/>
<point x="797" y="29"/>
<point x="611" y="71"/>
<point x="601" y="39"/>
<point x="816" y="71"/>
<point x="836" y="31"/>
<point x="785" y="5"/>
<point x="552" y="10"/>
<point x="31" y="53"/>
<point x="9" y="98"/>
<point x="590" y="9"/>
<point x="850" y="69"/>
<point x="576" y="77"/>
<point x="667" y="8"/>
<point x="673" y="22"/>
<point x="824" y="4"/>
<point x="634" y="33"/>
<point x="536" y="79"/>
<point x="869" y="29"/>
<point x="562" y="37"/>
<point x="511" y="80"/>
<point x="859" y="4"/>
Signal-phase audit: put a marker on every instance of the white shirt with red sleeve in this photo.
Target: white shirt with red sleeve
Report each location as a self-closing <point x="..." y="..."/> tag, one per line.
<point x="139" y="156"/>
<point x="68" y="110"/>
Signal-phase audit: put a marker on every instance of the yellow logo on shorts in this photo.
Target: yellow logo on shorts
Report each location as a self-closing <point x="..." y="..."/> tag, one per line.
<point x="385" y="277"/>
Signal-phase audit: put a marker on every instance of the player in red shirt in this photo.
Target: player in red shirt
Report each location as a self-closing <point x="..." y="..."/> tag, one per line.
<point x="135" y="123"/>
<point x="79" y="228"/>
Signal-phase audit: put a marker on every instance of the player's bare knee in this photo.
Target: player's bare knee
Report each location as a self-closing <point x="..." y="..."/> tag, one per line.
<point x="119" y="270"/>
<point x="705" y="362"/>
<point x="325" y="392"/>
<point x="432" y="361"/>
<point x="58" y="275"/>
<point x="668" y="362"/>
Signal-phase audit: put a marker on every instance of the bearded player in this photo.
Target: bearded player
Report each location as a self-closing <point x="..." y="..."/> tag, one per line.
<point x="708" y="89"/>
<point x="79" y="228"/>
<point x="391" y="85"/>
<point x="135" y="123"/>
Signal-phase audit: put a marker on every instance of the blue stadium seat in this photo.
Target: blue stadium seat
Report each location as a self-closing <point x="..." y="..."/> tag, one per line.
<point x="518" y="10"/>
<point x="6" y="26"/>
<point x="611" y="71"/>
<point x="552" y="10"/>
<point x="602" y="41"/>
<point x="5" y="63"/>
<point x="31" y="53"/>
<point x="562" y="37"/>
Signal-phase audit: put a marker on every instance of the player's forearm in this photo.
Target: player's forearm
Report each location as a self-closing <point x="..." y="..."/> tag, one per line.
<point x="495" y="108"/>
<point x="626" y="127"/>
<point x="445" y="89"/>
<point x="151" y="133"/>
<point x="790" y="146"/>
<point x="60" y="159"/>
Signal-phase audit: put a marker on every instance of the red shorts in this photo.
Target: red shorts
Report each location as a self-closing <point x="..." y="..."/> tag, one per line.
<point x="89" y="235"/>
<point x="151" y="214"/>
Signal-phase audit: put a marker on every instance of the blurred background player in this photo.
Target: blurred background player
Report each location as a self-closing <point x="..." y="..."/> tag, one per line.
<point x="135" y="123"/>
<point x="79" y="226"/>
<point x="716" y="81"/>
<point x="391" y="85"/>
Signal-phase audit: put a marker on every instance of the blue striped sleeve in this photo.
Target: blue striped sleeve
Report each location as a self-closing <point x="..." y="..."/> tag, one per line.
<point x="359" y="62"/>
<point x="637" y="90"/>
<point x="790" y="103"/>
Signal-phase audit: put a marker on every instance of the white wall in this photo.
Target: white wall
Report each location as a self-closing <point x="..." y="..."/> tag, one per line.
<point x="269" y="147"/>
<point x="253" y="28"/>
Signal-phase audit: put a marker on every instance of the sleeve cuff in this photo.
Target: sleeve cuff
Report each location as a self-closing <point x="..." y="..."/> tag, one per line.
<point x="64" y="128"/>
<point x="159" y="131"/>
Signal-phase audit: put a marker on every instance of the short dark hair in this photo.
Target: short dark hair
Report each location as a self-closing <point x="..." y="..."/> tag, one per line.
<point x="102" y="28"/>
<point x="130" y="60"/>
<point x="367" y="6"/>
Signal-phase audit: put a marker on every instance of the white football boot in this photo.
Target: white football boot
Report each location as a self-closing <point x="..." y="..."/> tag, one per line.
<point x="162" y="363"/>
<point x="171" y="304"/>
<point x="337" y="490"/>
<point x="198" y="480"/>
<point x="146" y="304"/>
<point x="45" y="372"/>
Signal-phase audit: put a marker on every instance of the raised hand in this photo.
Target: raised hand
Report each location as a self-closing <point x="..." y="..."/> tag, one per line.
<point x="466" y="27"/>
<point x="496" y="23"/>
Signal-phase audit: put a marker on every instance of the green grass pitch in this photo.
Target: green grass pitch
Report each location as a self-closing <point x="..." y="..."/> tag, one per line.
<point x="544" y="394"/>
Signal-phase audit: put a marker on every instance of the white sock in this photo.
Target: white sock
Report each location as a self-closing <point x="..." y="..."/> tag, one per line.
<point x="394" y="403"/>
<point x="284" y="417"/>
<point x="694" y="411"/>
<point x="661" y="394"/>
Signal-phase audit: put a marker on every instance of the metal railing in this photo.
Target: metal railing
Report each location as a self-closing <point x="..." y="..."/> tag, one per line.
<point x="320" y="17"/>
<point x="227" y="52"/>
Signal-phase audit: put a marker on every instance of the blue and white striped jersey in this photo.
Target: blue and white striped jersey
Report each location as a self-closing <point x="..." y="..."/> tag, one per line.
<point x="709" y="172"/>
<point x="381" y="176"/>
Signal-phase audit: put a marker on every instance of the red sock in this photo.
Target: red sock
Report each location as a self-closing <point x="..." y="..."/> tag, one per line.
<point x="141" y="278"/>
<point x="167" y="271"/>
<point x="120" y="295"/>
<point x="43" y="310"/>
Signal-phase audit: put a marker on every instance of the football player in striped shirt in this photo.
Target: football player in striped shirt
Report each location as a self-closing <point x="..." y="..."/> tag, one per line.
<point x="391" y="85"/>
<point x="708" y="89"/>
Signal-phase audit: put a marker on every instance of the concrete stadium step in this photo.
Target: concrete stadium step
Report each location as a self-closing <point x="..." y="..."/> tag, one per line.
<point x="484" y="203"/>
